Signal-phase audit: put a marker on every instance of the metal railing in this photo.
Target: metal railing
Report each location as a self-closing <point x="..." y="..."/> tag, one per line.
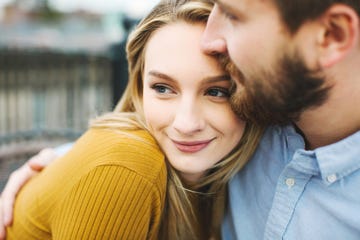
<point x="47" y="98"/>
<point x="51" y="95"/>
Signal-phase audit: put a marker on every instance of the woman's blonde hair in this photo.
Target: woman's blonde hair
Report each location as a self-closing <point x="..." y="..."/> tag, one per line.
<point x="191" y="211"/>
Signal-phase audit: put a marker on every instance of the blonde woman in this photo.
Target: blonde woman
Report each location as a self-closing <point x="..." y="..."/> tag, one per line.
<point x="116" y="182"/>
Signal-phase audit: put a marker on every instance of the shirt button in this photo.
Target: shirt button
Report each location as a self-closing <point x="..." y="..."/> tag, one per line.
<point x="290" y="182"/>
<point x="331" y="178"/>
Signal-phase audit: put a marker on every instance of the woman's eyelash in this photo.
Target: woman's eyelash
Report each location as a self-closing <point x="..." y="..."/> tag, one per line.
<point x="161" y="88"/>
<point x="218" y="92"/>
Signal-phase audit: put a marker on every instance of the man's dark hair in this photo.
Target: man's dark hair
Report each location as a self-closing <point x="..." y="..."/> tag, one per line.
<point x="296" y="12"/>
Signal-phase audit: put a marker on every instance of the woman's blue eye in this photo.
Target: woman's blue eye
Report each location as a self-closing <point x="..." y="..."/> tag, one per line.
<point x="215" y="92"/>
<point x="162" y="89"/>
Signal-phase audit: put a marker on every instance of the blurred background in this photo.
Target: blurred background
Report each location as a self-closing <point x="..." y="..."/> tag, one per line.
<point x="62" y="62"/>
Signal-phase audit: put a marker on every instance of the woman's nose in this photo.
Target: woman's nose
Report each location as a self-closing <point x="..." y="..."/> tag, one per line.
<point x="189" y="118"/>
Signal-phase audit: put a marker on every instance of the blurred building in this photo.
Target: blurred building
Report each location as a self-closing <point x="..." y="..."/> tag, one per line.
<point x="29" y="25"/>
<point x="57" y="71"/>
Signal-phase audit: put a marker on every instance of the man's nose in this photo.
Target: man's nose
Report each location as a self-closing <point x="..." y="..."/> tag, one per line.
<point x="212" y="41"/>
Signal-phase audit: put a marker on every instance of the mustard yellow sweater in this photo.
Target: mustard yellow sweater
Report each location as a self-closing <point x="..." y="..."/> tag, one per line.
<point x="109" y="186"/>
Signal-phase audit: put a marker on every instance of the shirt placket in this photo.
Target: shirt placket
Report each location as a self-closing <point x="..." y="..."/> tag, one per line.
<point x="290" y="186"/>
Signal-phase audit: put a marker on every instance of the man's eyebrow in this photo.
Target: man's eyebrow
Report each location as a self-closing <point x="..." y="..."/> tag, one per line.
<point x="221" y="4"/>
<point x="238" y="12"/>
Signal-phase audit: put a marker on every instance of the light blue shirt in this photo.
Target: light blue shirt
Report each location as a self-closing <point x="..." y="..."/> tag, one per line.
<point x="288" y="193"/>
<point x="63" y="149"/>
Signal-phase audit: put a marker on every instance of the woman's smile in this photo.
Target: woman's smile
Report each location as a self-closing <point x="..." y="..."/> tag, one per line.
<point x="192" y="147"/>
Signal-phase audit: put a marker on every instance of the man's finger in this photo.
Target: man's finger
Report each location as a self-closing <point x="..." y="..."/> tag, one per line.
<point x="2" y="225"/>
<point x="42" y="159"/>
<point x="16" y="180"/>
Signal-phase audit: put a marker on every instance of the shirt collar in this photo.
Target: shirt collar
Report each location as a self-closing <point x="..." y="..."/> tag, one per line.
<point x="339" y="159"/>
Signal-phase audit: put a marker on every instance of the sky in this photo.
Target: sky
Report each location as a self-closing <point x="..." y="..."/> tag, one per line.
<point x="132" y="7"/>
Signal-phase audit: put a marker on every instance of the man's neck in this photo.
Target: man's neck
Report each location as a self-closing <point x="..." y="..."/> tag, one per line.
<point x="329" y="123"/>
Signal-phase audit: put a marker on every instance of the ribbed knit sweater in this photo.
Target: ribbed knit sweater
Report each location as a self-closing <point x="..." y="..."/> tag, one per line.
<point x="109" y="186"/>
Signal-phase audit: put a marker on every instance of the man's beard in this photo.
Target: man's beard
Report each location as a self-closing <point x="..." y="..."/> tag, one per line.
<point x="278" y="96"/>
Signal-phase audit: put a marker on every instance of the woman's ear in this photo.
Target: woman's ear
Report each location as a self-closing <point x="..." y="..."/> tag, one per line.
<point x="339" y="34"/>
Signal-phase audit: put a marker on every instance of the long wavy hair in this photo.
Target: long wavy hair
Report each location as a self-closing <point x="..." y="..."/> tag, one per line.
<point x="191" y="211"/>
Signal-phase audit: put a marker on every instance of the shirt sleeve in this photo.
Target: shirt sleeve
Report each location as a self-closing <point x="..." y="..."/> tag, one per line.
<point x="110" y="202"/>
<point x="63" y="149"/>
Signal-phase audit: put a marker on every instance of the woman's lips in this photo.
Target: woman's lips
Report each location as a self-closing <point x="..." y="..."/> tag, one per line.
<point x="191" y="147"/>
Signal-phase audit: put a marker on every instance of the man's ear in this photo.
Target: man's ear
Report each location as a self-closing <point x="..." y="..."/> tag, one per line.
<point x="339" y="34"/>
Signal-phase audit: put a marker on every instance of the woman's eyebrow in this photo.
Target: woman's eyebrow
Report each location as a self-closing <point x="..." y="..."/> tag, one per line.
<point x="158" y="74"/>
<point x="214" y="79"/>
<point x="210" y="79"/>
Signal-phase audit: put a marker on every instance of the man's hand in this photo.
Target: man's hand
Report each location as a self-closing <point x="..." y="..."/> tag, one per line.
<point x="16" y="181"/>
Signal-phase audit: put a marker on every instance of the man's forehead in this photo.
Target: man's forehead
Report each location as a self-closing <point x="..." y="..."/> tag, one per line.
<point x="234" y="2"/>
<point x="242" y="5"/>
